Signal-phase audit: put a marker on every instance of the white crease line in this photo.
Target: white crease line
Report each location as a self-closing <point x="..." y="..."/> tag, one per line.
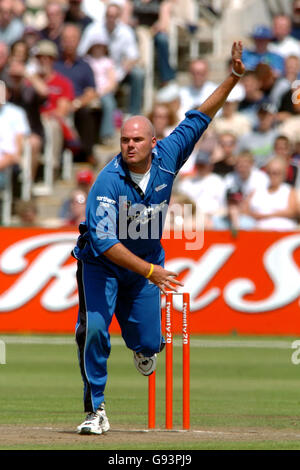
<point x="195" y="343"/>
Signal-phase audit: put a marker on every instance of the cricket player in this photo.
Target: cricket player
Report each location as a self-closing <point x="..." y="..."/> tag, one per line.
<point x="120" y="257"/>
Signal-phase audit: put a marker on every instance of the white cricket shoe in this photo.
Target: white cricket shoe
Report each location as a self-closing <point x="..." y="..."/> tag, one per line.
<point x="95" y="423"/>
<point x="145" y="365"/>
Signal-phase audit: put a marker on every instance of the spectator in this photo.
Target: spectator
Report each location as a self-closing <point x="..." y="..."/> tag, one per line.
<point x="261" y="139"/>
<point x="11" y="27"/>
<point x="245" y="177"/>
<point x="267" y="78"/>
<point x="77" y="208"/>
<point x="261" y="36"/>
<point x="4" y="55"/>
<point x="163" y="119"/>
<point x="274" y="207"/>
<point x="84" y="181"/>
<point x="151" y="18"/>
<point x="284" y="84"/>
<point x="55" y="14"/>
<point x="283" y="148"/>
<point x="14" y="128"/>
<point x="231" y="120"/>
<point x="86" y="117"/>
<point x="224" y="154"/>
<point x="74" y="14"/>
<point x="27" y="213"/>
<point x="199" y="89"/>
<point x="283" y="43"/>
<point x="31" y="36"/>
<point x="206" y="188"/>
<point x="29" y="92"/>
<point x="124" y="51"/>
<point x="106" y="84"/>
<point x="19" y="50"/>
<point x="254" y="96"/>
<point x="56" y="109"/>
<point x="240" y="184"/>
<point x="295" y="18"/>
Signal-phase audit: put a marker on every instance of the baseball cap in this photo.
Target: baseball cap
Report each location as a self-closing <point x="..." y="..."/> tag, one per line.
<point x="85" y="177"/>
<point x="47" y="48"/>
<point x="262" y="32"/>
<point x="202" y="158"/>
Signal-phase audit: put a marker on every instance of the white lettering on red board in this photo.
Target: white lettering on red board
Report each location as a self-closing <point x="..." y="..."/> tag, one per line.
<point x="48" y="273"/>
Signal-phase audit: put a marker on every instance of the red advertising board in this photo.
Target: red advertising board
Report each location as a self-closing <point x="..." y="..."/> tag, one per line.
<point x="249" y="284"/>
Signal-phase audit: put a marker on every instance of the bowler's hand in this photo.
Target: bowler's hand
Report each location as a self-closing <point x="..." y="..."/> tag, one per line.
<point x="164" y="279"/>
<point x="236" y="55"/>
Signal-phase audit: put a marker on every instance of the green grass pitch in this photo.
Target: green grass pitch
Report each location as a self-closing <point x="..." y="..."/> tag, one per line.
<point x="238" y="390"/>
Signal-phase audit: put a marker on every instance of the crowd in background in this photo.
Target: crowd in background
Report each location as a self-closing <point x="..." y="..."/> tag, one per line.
<point x="78" y="67"/>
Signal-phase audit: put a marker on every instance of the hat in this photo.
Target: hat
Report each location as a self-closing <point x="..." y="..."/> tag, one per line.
<point x="100" y="37"/>
<point x="167" y="93"/>
<point x="202" y="158"/>
<point x="267" y="107"/>
<point x="31" y="30"/>
<point x="47" y="48"/>
<point x="262" y="32"/>
<point x="85" y="177"/>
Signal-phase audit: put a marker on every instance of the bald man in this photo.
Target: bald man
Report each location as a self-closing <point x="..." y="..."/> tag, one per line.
<point x="120" y="257"/>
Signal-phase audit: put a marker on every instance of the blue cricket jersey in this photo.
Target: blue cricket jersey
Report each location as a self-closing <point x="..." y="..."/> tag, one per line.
<point x="117" y="209"/>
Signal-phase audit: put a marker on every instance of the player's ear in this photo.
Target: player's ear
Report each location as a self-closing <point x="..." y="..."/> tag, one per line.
<point x="154" y="141"/>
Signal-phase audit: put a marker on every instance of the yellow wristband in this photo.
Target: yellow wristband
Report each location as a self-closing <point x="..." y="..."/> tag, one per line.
<point x="151" y="271"/>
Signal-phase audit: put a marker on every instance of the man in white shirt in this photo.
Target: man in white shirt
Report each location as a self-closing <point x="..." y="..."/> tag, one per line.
<point x="200" y="88"/>
<point x="283" y="43"/>
<point x="123" y="49"/>
<point x="206" y="189"/>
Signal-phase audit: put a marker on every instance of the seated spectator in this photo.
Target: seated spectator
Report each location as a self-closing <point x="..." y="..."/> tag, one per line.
<point x="261" y="36"/>
<point x="106" y="84"/>
<point x="283" y="43"/>
<point x="295" y="18"/>
<point x="183" y="215"/>
<point x="261" y="139"/>
<point x="78" y="71"/>
<point x="199" y="89"/>
<point x="224" y="154"/>
<point x="205" y="188"/>
<point x="20" y="50"/>
<point x="31" y="36"/>
<point x="274" y="207"/>
<point x="245" y="177"/>
<point x="4" y="55"/>
<point x="124" y="51"/>
<point x="254" y="96"/>
<point x="55" y="15"/>
<point x="151" y="19"/>
<point x="74" y="14"/>
<point x="283" y="148"/>
<point x="239" y="184"/>
<point x="231" y="120"/>
<point x="163" y="119"/>
<point x="29" y="92"/>
<point x="267" y="78"/>
<point x="11" y="27"/>
<point x="84" y="181"/>
<point x="27" y="213"/>
<point x="284" y="84"/>
<point x="77" y="208"/>
<point x="57" y="107"/>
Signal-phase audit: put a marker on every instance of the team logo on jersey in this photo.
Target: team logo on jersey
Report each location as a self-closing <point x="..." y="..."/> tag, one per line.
<point x="159" y="188"/>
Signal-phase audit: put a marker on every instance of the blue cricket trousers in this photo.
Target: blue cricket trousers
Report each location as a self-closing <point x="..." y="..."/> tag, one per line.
<point x="136" y="304"/>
